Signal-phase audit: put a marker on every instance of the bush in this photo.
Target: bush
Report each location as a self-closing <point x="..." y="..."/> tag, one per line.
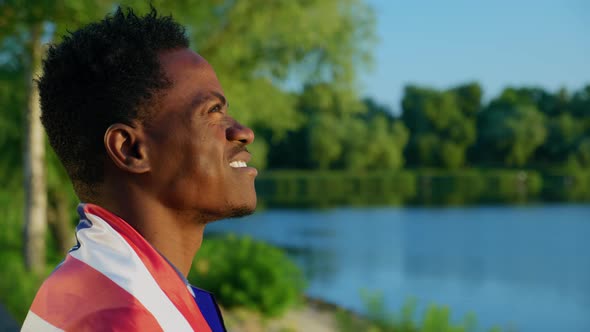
<point x="242" y="272"/>
<point x="436" y="318"/>
<point x="17" y="286"/>
<point x="567" y="185"/>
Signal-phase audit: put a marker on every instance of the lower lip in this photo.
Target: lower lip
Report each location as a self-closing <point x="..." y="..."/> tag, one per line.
<point x="249" y="170"/>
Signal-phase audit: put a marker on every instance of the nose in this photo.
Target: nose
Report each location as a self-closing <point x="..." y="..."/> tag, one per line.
<point x="238" y="132"/>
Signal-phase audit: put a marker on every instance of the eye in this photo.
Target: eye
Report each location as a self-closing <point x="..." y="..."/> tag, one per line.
<point x="215" y="109"/>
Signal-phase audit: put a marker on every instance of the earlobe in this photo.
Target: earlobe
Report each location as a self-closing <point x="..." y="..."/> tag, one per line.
<point x="126" y="148"/>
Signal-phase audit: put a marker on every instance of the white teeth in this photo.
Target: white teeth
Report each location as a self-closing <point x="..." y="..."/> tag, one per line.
<point x="238" y="164"/>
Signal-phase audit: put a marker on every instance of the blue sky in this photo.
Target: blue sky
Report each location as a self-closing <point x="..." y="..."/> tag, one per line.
<point x="496" y="42"/>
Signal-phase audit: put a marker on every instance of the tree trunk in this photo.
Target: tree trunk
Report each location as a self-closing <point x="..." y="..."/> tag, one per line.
<point x="34" y="163"/>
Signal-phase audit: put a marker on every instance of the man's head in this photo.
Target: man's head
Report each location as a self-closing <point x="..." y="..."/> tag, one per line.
<point x="126" y="99"/>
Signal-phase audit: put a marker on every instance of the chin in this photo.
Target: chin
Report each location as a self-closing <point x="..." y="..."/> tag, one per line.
<point x="243" y="210"/>
<point x="233" y="211"/>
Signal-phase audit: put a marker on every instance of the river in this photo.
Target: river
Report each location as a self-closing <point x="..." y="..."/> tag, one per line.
<point x="518" y="267"/>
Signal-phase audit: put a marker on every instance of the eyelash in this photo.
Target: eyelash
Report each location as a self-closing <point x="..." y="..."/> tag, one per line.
<point x="216" y="108"/>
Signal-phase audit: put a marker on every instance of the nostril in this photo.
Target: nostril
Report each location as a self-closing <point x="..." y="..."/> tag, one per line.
<point x="240" y="133"/>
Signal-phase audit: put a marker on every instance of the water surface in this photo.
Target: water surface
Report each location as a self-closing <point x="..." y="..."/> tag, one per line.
<point x="522" y="267"/>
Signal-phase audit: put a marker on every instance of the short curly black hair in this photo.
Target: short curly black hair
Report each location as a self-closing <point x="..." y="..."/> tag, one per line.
<point x="107" y="72"/>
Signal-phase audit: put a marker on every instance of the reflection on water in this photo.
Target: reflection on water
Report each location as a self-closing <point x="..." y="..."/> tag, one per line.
<point x="319" y="264"/>
<point x="522" y="267"/>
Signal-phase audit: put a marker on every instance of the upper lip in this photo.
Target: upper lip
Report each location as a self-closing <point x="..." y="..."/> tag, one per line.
<point x="243" y="155"/>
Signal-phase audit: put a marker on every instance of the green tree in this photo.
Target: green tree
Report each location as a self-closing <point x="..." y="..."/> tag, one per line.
<point x="374" y="139"/>
<point x="565" y="121"/>
<point x="342" y="132"/>
<point x="563" y="135"/>
<point x="580" y="103"/>
<point x="441" y="123"/>
<point x="580" y="107"/>
<point x="511" y="129"/>
<point x="547" y="103"/>
<point x="12" y="97"/>
<point x="325" y="134"/>
<point x="387" y="140"/>
<point x="331" y="120"/>
<point x="328" y="115"/>
<point x="562" y="132"/>
<point x="469" y="98"/>
<point x="581" y="156"/>
<point x="257" y="57"/>
<point x="24" y="28"/>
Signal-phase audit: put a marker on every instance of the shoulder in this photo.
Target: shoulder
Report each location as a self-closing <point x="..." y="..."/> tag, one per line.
<point x="111" y="319"/>
<point x="117" y="319"/>
<point x="79" y="298"/>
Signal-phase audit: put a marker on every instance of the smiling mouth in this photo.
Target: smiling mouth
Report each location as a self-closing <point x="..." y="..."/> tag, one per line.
<point x="238" y="164"/>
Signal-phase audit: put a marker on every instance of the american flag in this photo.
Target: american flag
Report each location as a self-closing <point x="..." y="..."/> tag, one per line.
<point x="114" y="280"/>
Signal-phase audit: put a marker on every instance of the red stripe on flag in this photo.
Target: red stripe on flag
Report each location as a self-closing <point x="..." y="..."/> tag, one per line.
<point x="76" y="297"/>
<point x="166" y="277"/>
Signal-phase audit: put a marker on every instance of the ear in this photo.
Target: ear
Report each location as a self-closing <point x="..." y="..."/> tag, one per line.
<point x="126" y="148"/>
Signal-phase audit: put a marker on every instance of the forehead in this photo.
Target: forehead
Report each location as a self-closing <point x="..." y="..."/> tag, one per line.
<point x="189" y="73"/>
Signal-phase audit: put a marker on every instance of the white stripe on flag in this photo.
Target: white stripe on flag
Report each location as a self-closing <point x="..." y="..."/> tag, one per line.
<point x="105" y="250"/>
<point x="34" y="323"/>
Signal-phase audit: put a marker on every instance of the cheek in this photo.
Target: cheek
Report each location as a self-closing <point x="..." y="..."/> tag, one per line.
<point x="197" y="167"/>
<point x="207" y="163"/>
<point x="174" y="171"/>
<point x="209" y="149"/>
<point x="172" y="153"/>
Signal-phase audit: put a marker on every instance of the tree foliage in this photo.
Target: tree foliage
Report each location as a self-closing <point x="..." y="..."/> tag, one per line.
<point x="24" y="26"/>
<point x="512" y="128"/>
<point x="341" y="132"/>
<point x="441" y="123"/>
<point x="262" y="52"/>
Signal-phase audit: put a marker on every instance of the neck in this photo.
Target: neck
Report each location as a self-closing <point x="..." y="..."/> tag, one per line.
<point x="175" y="235"/>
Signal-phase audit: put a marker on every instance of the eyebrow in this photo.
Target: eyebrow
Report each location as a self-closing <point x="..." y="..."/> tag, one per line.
<point x="201" y="98"/>
<point x="221" y="98"/>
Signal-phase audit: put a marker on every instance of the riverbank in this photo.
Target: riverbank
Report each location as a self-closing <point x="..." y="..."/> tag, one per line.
<point x="421" y="187"/>
<point x="314" y="315"/>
